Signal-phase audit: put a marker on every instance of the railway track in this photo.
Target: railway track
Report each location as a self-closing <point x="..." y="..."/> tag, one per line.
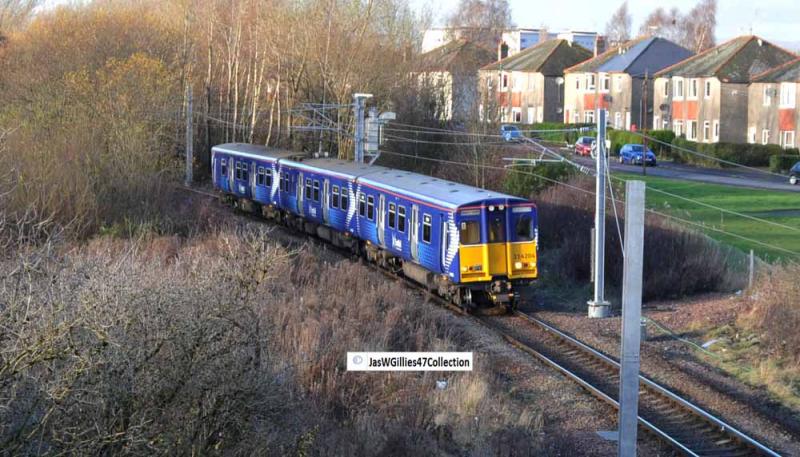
<point x="684" y="426"/>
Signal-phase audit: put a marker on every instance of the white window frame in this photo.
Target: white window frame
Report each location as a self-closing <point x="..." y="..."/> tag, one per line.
<point x="677" y="92"/>
<point x="787" y="139"/>
<point x="576" y="117"/>
<point x="516" y="115"/>
<point x="591" y="82"/>
<point x="605" y="83"/>
<point x="788" y="95"/>
<point x="691" y="130"/>
<point x="706" y="131"/>
<point x="692" y="89"/>
<point x="588" y="116"/>
<point x="765" y="136"/>
<point x="618" y="83"/>
<point x="531" y="114"/>
<point x="767" y="97"/>
<point x="617" y="120"/>
<point x="666" y="88"/>
<point x="715" y="131"/>
<point x="707" y="89"/>
<point x="504" y="81"/>
<point x="751" y="134"/>
<point x="677" y="127"/>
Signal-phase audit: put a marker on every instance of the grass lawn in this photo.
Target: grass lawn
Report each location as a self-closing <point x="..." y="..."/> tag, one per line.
<point x="780" y="207"/>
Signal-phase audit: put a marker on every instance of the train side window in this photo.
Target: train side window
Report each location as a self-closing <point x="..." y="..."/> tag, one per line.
<point x="524" y="228"/>
<point x="224" y="167"/>
<point x="335" y="197"/>
<point x="362" y="205"/>
<point x="371" y="208"/>
<point x="401" y="218"/>
<point x="260" y="176"/>
<point x="268" y="177"/>
<point x="343" y="196"/>
<point x="316" y="190"/>
<point x="426" y="228"/>
<point x="497" y="229"/>
<point x="392" y="214"/>
<point x="308" y="188"/>
<point x="245" y="173"/>
<point x="238" y="171"/>
<point x="470" y="232"/>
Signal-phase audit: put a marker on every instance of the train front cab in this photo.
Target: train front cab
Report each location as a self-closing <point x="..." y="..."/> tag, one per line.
<point x="497" y="248"/>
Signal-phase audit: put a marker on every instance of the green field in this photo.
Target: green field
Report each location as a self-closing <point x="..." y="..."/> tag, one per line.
<point x="779" y="207"/>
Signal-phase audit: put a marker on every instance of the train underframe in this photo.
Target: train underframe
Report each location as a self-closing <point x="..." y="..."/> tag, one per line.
<point x="498" y="295"/>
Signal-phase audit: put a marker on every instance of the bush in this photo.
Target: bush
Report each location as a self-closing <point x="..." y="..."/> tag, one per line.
<point x="663" y="141"/>
<point x="556" y="137"/>
<point x="753" y="155"/>
<point x="677" y="261"/>
<point x="620" y="138"/>
<point x="782" y="163"/>
<point x="524" y="183"/>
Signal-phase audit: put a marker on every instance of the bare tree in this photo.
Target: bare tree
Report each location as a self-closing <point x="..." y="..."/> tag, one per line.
<point x="694" y="30"/>
<point x="618" y="28"/>
<point x="481" y="21"/>
<point x="14" y="13"/>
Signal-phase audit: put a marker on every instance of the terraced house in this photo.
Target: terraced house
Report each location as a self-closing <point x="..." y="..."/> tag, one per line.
<point x="773" y="114"/>
<point x="619" y="80"/>
<point x="705" y="97"/>
<point x="529" y="86"/>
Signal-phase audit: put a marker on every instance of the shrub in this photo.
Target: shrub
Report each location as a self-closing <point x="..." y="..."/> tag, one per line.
<point x="524" y="183"/>
<point x="753" y="155"/>
<point x="782" y="163"/>
<point x="556" y="137"/>
<point x="677" y="261"/>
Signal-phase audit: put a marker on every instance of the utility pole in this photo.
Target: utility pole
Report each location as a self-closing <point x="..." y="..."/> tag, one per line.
<point x="599" y="307"/>
<point x="631" y="318"/>
<point x="358" y="137"/>
<point x="643" y="126"/>
<point x="189" y="137"/>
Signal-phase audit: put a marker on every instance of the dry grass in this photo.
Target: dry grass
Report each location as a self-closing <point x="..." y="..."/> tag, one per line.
<point x="228" y="343"/>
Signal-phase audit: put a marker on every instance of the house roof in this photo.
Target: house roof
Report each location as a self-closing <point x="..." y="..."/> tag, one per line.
<point x="636" y="57"/>
<point x="786" y="73"/>
<point x="737" y="60"/>
<point x="455" y="56"/>
<point x="549" y="57"/>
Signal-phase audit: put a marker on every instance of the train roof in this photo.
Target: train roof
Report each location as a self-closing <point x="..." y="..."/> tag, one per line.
<point x="446" y="193"/>
<point x="254" y="150"/>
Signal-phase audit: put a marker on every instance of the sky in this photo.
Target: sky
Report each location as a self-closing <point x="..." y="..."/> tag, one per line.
<point x="774" y="20"/>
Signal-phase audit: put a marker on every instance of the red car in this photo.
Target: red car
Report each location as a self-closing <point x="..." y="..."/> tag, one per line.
<point x="583" y="147"/>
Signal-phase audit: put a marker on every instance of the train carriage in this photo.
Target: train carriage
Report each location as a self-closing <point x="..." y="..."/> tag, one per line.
<point x="470" y="245"/>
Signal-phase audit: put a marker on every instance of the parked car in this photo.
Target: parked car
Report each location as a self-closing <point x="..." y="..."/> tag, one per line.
<point x="584" y="145"/>
<point x="511" y="133"/>
<point x="794" y="174"/>
<point x="632" y="154"/>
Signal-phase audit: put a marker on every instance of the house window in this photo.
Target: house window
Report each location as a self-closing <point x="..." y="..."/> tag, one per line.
<point x="678" y="92"/>
<point x="678" y="128"/>
<point x="590" y="81"/>
<point x="576" y="117"/>
<point x="605" y="83"/>
<point x="308" y="188"/>
<point x="665" y="124"/>
<point x="692" y="89"/>
<point x="767" y="95"/>
<point x="716" y="130"/>
<point x="707" y="92"/>
<point x="316" y="190"/>
<point x="577" y="83"/>
<point x="618" y="84"/>
<point x="335" y="197"/>
<point x="787" y="139"/>
<point x="426" y="228"/>
<point x="401" y="218"/>
<point x="751" y="135"/>
<point x="691" y="130"/>
<point x="371" y="208"/>
<point x="787" y="95"/>
<point x="343" y="199"/>
<point x="504" y="81"/>
<point x="531" y="115"/>
<point x="666" y="88"/>
<point x="655" y="121"/>
<point x="706" y="131"/>
<point x="517" y="114"/>
<point x="617" y="120"/>
<point x="588" y="117"/>
<point x="392" y="215"/>
<point x="516" y="86"/>
<point x="362" y="204"/>
<point x="765" y="136"/>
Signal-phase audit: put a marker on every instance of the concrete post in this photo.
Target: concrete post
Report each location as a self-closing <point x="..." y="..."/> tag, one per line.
<point x="751" y="276"/>
<point x="189" y="138"/>
<point x="599" y="307"/>
<point x="631" y="317"/>
<point x="358" y="136"/>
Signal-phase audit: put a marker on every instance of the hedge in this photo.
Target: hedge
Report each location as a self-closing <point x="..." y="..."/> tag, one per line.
<point x="782" y="163"/>
<point x="622" y="137"/>
<point x="556" y="137"/>
<point x="753" y="155"/>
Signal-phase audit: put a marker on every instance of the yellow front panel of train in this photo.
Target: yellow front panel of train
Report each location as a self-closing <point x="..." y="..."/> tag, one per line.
<point x="474" y="263"/>
<point x="523" y="260"/>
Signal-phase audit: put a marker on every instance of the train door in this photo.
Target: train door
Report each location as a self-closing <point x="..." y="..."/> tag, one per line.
<point x="326" y="201"/>
<point x="445" y="239"/>
<point x="497" y="228"/>
<point x="252" y="175"/>
<point x="382" y="220"/>
<point x="231" y="166"/>
<point x="414" y="231"/>
<point x="300" y="194"/>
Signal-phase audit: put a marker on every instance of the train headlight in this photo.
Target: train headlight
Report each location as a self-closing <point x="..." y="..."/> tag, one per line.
<point x="491" y="207"/>
<point x="518" y="265"/>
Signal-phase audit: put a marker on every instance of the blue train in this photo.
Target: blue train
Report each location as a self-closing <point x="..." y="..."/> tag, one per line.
<point x="470" y="245"/>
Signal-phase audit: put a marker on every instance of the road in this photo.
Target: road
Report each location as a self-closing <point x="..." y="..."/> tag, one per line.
<point x="738" y="177"/>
